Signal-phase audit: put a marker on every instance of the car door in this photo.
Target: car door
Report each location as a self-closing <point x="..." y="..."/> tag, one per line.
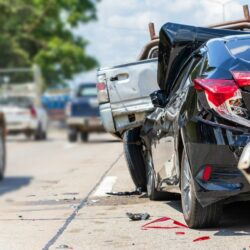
<point x="163" y="149"/>
<point x="129" y="87"/>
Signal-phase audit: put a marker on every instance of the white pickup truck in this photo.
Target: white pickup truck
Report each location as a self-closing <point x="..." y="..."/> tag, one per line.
<point x="123" y="91"/>
<point x="124" y="102"/>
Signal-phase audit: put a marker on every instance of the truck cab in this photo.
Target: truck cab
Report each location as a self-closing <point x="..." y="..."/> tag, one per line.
<point x="82" y="113"/>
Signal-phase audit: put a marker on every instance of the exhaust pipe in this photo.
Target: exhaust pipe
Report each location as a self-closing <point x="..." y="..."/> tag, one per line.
<point x="244" y="162"/>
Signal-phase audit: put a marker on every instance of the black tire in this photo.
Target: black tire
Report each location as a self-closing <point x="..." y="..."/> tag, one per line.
<point x="72" y="135"/>
<point x="84" y="136"/>
<point x="38" y="133"/>
<point x="44" y="135"/>
<point x="133" y="150"/>
<point x="195" y="215"/>
<point x="2" y="154"/>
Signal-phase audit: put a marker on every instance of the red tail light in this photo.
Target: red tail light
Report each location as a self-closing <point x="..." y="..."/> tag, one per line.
<point x="101" y="86"/>
<point x="224" y="97"/>
<point x="33" y="112"/>
<point x="207" y="173"/>
<point x="102" y="92"/>
<point x="242" y="78"/>
<point x="217" y="90"/>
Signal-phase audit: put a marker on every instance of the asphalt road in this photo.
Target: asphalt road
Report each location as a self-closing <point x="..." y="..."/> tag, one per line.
<point x="53" y="197"/>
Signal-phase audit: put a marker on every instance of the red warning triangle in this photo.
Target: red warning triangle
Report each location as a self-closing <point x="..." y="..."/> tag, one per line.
<point x="164" y="223"/>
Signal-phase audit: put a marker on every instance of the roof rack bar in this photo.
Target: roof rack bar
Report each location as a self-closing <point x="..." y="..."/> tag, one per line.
<point x="246" y="19"/>
<point x="246" y="12"/>
<point x="152" y="33"/>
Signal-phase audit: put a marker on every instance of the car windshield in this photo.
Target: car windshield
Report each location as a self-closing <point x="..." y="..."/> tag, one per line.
<point x="87" y="91"/>
<point x="16" y="101"/>
<point x="240" y="48"/>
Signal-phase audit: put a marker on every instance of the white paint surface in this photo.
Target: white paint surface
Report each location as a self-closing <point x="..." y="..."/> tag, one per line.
<point x="105" y="186"/>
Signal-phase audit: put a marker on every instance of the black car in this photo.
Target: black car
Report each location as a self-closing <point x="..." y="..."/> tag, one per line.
<point x="203" y="110"/>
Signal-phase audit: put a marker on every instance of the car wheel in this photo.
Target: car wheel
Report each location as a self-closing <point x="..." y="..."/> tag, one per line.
<point x="39" y="133"/>
<point x="195" y="215"/>
<point x="44" y="135"/>
<point x="133" y="150"/>
<point x="84" y="136"/>
<point x="72" y="135"/>
<point x="152" y="191"/>
<point x="2" y="154"/>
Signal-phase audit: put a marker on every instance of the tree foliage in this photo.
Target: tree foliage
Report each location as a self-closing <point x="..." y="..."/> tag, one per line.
<point x="40" y="31"/>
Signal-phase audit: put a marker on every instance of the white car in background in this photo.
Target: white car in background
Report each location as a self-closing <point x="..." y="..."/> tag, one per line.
<point x="23" y="115"/>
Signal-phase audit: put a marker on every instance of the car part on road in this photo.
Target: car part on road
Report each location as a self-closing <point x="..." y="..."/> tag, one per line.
<point x="202" y="238"/>
<point x="139" y="216"/>
<point x="195" y="215"/>
<point x="133" y="149"/>
<point x="127" y="193"/>
<point x="164" y="223"/>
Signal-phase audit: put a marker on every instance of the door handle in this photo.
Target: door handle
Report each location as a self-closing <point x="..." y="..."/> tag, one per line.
<point x="119" y="77"/>
<point x="114" y="78"/>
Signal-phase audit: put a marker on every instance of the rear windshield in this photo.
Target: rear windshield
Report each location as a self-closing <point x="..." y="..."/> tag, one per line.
<point x="87" y="91"/>
<point x="240" y="48"/>
<point x="16" y="101"/>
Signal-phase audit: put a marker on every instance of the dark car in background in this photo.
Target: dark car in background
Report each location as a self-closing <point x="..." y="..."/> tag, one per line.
<point x="82" y="113"/>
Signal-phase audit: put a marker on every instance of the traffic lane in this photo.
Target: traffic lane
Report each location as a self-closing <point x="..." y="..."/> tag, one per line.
<point x="103" y="223"/>
<point x="45" y="182"/>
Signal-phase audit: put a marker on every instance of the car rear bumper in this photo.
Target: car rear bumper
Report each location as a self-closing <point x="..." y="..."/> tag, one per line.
<point x="19" y="127"/>
<point x="86" y="123"/>
<point x="219" y="148"/>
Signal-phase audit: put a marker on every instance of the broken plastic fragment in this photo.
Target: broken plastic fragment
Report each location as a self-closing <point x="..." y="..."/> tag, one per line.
<point x="136" y="217"/>
<point x="202" y="238"/>
<point x="180" y="233"/>
<point x="171" y="224"/>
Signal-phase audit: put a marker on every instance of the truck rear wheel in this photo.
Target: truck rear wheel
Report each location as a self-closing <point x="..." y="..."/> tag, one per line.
<point x="133" y="150"/>
<point x="72" y="135"/>
<point x="84" y="136"/>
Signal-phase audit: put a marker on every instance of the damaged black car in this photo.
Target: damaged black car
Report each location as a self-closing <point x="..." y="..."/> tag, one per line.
<point x="189" y="135"/>
<point x="204" y="105"/>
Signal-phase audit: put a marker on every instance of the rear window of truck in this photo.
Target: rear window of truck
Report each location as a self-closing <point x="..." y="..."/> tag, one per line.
<point x="87" y="91"/>
<point x="240" y="48"/>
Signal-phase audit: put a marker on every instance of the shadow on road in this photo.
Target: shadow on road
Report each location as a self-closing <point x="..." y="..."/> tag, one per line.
<point x="234" y="222"/>
<point x="14" y="183"/>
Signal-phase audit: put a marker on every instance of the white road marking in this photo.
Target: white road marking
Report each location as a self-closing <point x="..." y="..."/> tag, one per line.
<point x="105" y="186"/>
<point x="69" y="145"/>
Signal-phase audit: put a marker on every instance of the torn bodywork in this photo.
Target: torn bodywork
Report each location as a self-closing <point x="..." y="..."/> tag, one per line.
<point x="244" y="162"/>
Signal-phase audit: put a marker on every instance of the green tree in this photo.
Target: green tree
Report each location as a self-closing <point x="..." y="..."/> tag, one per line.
<point x="40" y="31"/>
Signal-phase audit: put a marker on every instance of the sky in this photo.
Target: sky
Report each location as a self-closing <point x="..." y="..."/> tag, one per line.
<point x="121" y="30"/>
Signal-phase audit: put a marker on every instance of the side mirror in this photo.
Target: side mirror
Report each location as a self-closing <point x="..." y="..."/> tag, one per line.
<point x="159" y="99"/>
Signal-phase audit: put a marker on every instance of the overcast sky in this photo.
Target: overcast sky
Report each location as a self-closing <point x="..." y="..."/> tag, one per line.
<point x="122" y="27"/>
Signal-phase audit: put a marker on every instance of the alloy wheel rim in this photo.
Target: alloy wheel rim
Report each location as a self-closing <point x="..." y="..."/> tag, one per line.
<point x="187" y="189"/>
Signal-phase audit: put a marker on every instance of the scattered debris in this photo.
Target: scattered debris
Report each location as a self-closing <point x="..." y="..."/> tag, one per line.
<point x="139" y="216"/>
<point x="126" y="193"/>
<point x="202" y="238"/>
<point x="171" y="224"/>
<point x="180" y="233"/>
<point x="64" y="247"/>
<point x="20" y="216"/>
